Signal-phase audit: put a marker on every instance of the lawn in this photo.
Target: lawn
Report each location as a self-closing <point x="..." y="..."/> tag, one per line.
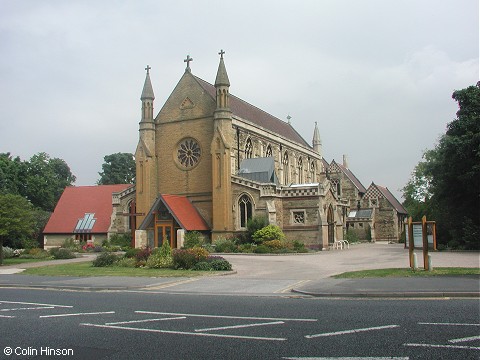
<point x="16" y="260"/>
<point x="87" y="269"/>
<point x="407" y="272"/>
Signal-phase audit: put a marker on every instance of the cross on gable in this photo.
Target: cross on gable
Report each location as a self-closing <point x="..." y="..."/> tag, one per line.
<point x="187" y="60"/>
<point x="148" y="69"/>
<point x="221" y="53"/>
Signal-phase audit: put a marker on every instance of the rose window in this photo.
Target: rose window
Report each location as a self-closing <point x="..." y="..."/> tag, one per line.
<point x="188" y="153"/>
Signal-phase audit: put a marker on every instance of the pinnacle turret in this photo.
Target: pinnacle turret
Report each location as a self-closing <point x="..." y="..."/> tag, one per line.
<point x="317" y="142"/>
<point x="147" y="93"/>
<point x="222" y="77"/>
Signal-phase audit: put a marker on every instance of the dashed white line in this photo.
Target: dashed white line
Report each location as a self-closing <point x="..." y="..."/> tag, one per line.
<point x="346" y="358"/>
<point x="471" y="338"/>
<point x="353" y="331"/>
<point x="29" y="308"/>
<point x="145" y="320"/>
<point x="77" y="314"/>
<point x="447" y="324"/>
<point x="30" y="303"/>
<point x="444" y="346"/>
<point x="183" y="332"/>
<point x="240" y="326"/>
<point x="6" y="316"/>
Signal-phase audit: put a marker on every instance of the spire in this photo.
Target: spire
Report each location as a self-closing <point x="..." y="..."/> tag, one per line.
<point x="147" y="93"/>
<point x="316" y="142"/>
<point x="222" y="77"/>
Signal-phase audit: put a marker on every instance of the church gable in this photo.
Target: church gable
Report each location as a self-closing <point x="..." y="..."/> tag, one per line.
<point x="187" y="101"/>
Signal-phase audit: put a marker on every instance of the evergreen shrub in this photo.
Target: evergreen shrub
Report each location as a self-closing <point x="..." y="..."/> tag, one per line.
<point x="105" y="259"/>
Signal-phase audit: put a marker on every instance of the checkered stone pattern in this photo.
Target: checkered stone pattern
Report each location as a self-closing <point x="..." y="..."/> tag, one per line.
<point x="300" y="192"/>
<point x="334" y="168"/>
<point x="373" y="192"/>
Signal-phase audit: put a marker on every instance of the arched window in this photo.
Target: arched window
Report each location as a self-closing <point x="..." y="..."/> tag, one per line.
<point x="248" y="149"/>
<point x="300" y="171"/>
<point x="245" y="206"/>
<point x="312" y="171"/>
<point x="286" y="168"/>
<point x="268" y="152"/>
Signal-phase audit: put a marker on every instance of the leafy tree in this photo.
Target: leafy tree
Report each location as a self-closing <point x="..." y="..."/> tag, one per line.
<point x="451" y="175"/>
<point x="44" y="180"/>
<point x="16" y="220"/>
<point x="10" y="170"/>
<point x="118" y="168"/>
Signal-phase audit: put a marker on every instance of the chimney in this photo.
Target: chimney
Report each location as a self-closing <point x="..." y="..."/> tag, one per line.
<point x="345" y="161"/>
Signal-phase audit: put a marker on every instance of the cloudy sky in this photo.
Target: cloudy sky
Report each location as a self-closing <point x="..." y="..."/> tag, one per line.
<point x="377" y="75"/>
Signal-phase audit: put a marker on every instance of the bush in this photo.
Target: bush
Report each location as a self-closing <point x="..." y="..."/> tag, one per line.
<point x="35" y="253"/>
<point x="223" y="245"/>
<point x="261" y="249"/>
<point x="132" y="252"/>
<point x="29" y="244"/>
<point x="213" y="263"/>
<point x="61" y="253"/>
<point x="124" y="241"/>
<point x="158" y="261"/>
<point x="192" y="239"/>
<point x="298" y="246"/>
<point x="105" y="259"/>
<point x="69" y="243"/>
<point x="274" y="244"/>
<point x="143" y="254"/>
<point x="269" y="232"/>
<point x="246" y="248"/>
<point x="351" y="236"/>
<point x="126" y="262"/>
<point x="183" y="259"/>
<point x="8" y="252"/>
<point x="253" y="225"/>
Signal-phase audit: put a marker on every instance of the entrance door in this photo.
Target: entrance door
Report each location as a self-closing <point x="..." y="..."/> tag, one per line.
<point x="331" y="225"/>
<point x="163" y="232"/>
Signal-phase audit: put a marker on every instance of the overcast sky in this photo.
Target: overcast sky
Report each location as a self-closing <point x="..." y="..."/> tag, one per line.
<point x="377" y="75"/>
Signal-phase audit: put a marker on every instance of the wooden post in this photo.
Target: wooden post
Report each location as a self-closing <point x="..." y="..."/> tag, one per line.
<point x="425" y="242"/>
<point x="411" y="244"/>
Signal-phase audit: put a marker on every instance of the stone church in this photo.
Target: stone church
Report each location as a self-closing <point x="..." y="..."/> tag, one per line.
<point x="210" y="161"/>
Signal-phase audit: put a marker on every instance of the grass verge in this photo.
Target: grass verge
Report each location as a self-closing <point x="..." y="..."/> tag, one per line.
<point x="407" y="272"/>
<point x="87" y="269"/>
<point x="15" y="261"/>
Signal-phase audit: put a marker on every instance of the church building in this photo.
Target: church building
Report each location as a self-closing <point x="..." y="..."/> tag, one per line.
<point x="210" y="161"/>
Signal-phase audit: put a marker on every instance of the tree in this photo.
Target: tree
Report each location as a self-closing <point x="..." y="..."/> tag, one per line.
<point x="10" y="170"/>
<point x="16" y="220"/>
<point x="118" y="168"/>
<point x="452" y="175"/>
<point x="44" y="180"/>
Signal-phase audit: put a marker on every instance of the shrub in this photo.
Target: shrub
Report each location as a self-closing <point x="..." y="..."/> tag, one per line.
<point x="213" y="263"/>
<point x="132" y="252"/>
<point x="165" y="249"/>
<point x="274" y="244"/>
<point x="8" y="252"/>
<point x="61" y="253"/>
<point x="351" y="236"/>
<point x="253" y="225"/>
<point x="158" y="261"/>
<point x="298" y="246"/>
<point x="29" y="243"/>
<point x="35" y="253"/>
<point x="261" y="249"/>
<point x="192" y="239"/>
<point x="122" y="240"/>
<point x="246" y="248"/>
<point x="223" y="245"/>
<point x="143" y="254"/>
<point x="269" y="232"/>
<point x="125" y="262"/>
<point x="183" y="259"/>
<point x="105" y="259"/>
<point x="201" y="254"/>
<point x="69" y="243"/>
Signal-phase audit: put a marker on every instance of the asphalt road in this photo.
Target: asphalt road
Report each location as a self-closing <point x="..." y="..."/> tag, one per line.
<point x="149" y="325"/>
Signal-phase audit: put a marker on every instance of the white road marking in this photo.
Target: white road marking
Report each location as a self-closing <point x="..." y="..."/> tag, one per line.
<point x="77" y="314"/>
<point x="184" y="332"/>
<point x="444" y="346"/>
<point x="30" y="303"/>
<point x="447" y="324"/>
<point x="346" y="358"/>
<point x="145" y="320"/>
<point x="6" y="316"/>
<point x="290" y="287"/>
<point x="29" y="308"/>
<point x="353" y="331"/>
<point x="240" y="326"/>
<point x="471" y="338"/>
<point x="223" y="316"/>
<point x="169" y="284"/>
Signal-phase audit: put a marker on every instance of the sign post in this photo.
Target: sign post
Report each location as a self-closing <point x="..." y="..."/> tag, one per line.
<point x="410" y="242"/>
<point x="425" y="242"/>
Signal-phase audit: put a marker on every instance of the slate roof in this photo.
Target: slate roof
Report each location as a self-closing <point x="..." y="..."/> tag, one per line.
<point x="261" y="170"/>
<point x="76" y="202"/>
<point x="391" y="199"/>
<point x="257" y="116"/>
<point x="353" y="178"/>
<point x="182" y="210"/>
<point x="360" y="214"/>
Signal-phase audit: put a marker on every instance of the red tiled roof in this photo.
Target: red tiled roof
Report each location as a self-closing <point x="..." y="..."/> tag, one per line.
<point x="76" y="201"/>
<point x="257" y="116"/>
<point x="184" y="212"/>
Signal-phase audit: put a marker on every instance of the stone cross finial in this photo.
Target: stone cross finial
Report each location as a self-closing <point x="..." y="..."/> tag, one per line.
<point x="148" y="69"/>
<point x="288" y="118"/>
<point x="221" y="53"/>
<point x="187" y="60"/>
